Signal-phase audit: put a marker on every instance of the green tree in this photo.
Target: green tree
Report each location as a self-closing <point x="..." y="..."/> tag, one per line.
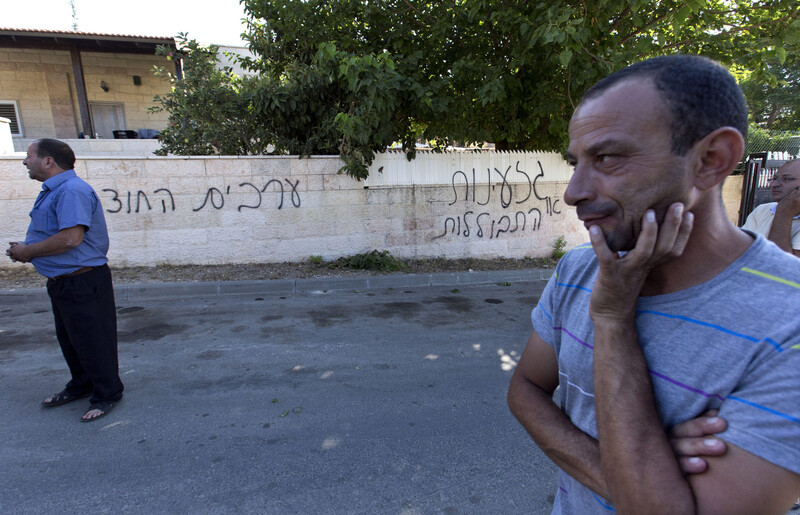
<point x="503" y="72"/>
<point x="210" y="110"/>
<point x="338" y="103"/>
<point x="352" y="76"/>
<point x="775" y="105"/>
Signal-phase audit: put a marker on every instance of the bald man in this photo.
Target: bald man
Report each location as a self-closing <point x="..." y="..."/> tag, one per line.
<point x="779" y="220"/>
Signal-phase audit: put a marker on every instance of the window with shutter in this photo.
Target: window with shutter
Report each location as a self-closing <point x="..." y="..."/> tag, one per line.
<point x="8" y="109"/>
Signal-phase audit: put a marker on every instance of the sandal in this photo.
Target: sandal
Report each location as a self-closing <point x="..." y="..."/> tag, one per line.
<point x="104" y="407"/>
<point x="63" y="397"/>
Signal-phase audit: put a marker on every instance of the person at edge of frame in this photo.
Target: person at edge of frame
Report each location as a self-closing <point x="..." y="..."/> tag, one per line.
<point x="779" y="220"/>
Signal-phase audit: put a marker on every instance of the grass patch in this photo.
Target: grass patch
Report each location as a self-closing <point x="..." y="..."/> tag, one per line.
<point x="374" y="260"/>
<point x="559" y="247"/>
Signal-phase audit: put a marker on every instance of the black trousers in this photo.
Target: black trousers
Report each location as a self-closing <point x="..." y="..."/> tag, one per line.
<point x="86" y="328"/>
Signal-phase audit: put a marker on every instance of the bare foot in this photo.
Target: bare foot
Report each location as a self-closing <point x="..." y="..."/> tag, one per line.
<point x="92" y="414"/>
<point x="62" y="397"/>
<point x="98" y="410"/>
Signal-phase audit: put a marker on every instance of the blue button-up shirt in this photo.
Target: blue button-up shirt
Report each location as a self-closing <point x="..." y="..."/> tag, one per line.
<point x="64" y="202"/>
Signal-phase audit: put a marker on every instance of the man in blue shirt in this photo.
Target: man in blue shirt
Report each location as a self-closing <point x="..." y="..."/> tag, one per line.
<point x="67" y="241"/>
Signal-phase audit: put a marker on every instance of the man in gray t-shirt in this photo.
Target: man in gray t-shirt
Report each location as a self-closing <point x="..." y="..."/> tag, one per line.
<point x="668" y="312"/>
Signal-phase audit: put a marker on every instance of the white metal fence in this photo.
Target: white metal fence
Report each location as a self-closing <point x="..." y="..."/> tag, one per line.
<point x="772" y="162"/>
<point x="461" y="167"/>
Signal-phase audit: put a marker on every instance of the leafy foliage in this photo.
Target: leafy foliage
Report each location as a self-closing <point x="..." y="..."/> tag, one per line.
<point x="337" y="103"/>
<point x="210" y="110"/>
<point x="504" y="72"/>
<point x="350" y="77"/>
<point x="775" y="104"/>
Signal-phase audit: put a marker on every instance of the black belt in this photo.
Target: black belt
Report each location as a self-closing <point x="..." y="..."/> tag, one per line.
<point x="81" y="270"/>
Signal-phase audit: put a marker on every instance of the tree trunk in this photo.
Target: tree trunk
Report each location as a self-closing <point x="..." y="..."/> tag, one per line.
<point x="773" y="113"/>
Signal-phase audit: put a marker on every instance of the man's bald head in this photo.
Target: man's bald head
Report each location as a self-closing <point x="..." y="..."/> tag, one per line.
<point x="785" y="180"/>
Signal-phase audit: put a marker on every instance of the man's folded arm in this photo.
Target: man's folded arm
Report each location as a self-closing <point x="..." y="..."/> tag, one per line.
<point x="741" y="482"/>
<point x="642" y="469"/>
<point x="62" y="241"/>
<point x="530" y="398"/>
<point x="735" y="482"/>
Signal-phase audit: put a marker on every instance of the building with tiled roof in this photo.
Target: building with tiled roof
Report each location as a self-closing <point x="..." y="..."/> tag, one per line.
<point x="69" y="84"/>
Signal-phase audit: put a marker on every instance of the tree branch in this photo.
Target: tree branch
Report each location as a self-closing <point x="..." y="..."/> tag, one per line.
<point x="419" y="13"/>
<point x="596" y="58"/>
<point x="622" y="16"/>
<point x="766" y="22"/>
<point x="656" y="21"/>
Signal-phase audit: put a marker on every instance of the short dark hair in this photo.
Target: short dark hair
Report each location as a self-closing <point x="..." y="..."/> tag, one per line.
<point x="701" y="95"/>
<point x="61" y="153"/>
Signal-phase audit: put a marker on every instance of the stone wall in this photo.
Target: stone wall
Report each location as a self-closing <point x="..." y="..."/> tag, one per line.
<point x="100" y="147"/>
<point x="271" y="209"/>
<point x="42" y="83"/>
<point x="174" y="210"/>
<point x="732" y="197"/>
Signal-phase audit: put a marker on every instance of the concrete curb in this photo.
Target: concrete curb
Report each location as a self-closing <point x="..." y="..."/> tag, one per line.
<point x="129" y="292"/>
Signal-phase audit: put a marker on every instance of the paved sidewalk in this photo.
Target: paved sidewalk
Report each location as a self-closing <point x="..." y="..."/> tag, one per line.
<point x="377" y="395"/>
<point x="324" y="284"/>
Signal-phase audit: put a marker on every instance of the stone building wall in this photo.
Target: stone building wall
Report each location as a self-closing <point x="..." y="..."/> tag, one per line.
<point x="42" y="84"/>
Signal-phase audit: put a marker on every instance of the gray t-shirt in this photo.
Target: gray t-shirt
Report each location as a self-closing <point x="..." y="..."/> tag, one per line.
<point x="731" y="343"/>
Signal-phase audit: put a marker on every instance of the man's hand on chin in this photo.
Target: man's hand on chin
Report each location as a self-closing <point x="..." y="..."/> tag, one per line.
<point x="620" y="279"/>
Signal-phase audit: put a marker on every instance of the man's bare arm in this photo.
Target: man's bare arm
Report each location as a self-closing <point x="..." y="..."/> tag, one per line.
<point x="530" y="398"/>
<point x="741" y="482"/>
<point x="640" y="469"/>
<point x="60" y="242"/>
<point x="642" y="472"/>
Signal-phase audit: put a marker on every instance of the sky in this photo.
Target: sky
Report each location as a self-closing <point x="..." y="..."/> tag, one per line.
<point x="207" y="21"/>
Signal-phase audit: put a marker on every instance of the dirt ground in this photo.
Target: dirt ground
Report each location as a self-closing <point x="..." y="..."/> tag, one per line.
<point x="24" y="276"/>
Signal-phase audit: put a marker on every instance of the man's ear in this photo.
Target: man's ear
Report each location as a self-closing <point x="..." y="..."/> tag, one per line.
<point x="715" y="157"/>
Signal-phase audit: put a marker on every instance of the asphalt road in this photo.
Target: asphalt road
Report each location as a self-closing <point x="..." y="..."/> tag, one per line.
<point x="328" y="398"/>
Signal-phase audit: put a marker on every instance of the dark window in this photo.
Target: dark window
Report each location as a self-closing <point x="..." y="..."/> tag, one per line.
<point x="9" y="110"/>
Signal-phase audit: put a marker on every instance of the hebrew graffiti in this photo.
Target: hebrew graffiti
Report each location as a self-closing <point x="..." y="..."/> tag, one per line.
<point x="482" y="225"/>
<point x="163" y="203"/>
<point x="139" y="197"/>
<point x="219" y="198"/>
<point x="132" y="202"/>
<point x="258" y="192"/>
<point x="491" y="227"/>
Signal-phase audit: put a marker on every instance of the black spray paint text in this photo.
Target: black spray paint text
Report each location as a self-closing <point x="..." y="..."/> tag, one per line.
<point x="139" y="201"/>
<point x="479" y="225"/>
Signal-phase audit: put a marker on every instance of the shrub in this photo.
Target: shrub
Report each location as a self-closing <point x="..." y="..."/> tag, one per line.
<point x="559" y="246"/>
<point x="374" y="260"/>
